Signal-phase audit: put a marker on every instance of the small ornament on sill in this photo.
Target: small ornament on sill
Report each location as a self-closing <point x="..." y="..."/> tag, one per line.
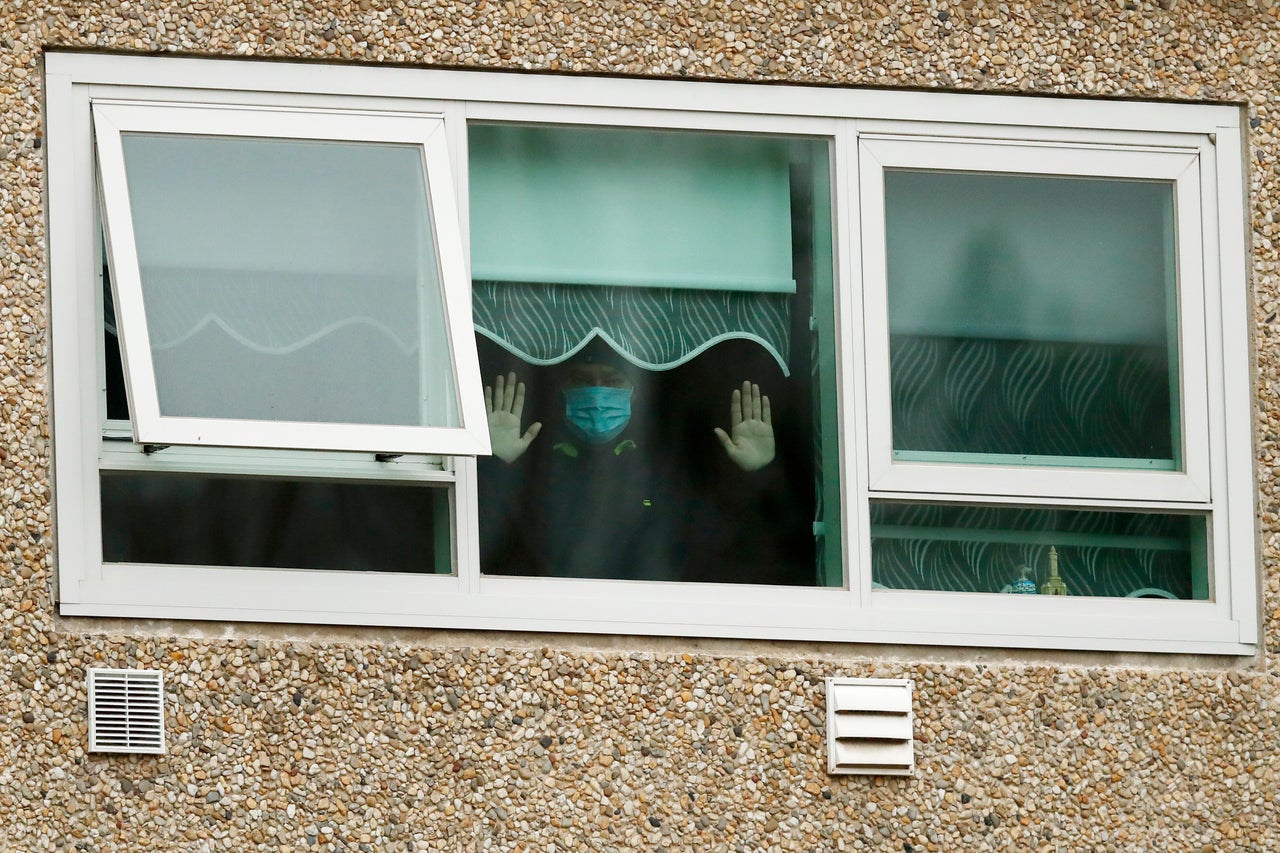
<point x="1023" y="585"/>
<point x="1054" y="585"/>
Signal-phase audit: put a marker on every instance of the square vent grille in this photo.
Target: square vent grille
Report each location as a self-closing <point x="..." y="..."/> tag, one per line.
<point x="126" y="711"/>
<point x="869" y="726"/>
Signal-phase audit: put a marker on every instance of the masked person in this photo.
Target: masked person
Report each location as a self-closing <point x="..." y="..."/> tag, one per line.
<point x="602" y="494"/>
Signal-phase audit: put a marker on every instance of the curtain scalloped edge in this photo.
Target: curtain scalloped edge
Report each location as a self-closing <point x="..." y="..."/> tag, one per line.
<point x="597" y="332"/>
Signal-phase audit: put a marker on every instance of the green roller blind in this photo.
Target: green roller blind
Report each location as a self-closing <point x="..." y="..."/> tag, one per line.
<point x="630" y="208"/>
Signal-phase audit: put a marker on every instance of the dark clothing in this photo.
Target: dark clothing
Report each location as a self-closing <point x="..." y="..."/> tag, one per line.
<point x="618" y="511"/>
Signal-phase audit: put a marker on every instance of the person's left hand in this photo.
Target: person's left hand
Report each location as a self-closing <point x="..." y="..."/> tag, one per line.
<point x="749" y="442"/>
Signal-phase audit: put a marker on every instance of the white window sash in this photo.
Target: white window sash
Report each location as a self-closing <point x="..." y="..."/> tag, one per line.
<point x="150" y="425"/>
<point x="1180" y="166"/>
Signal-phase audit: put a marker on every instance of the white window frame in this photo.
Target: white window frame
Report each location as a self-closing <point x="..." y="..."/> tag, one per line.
<point x="1222" y="488"/>
<point x="424" y="131"/>
<point x="927" y="148"/>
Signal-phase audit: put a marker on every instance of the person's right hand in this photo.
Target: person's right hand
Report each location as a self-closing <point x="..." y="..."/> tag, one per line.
<point x="504" y="401"/>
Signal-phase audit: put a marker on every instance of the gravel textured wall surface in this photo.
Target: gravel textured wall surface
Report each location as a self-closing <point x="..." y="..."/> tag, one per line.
<point x="368" y="740"/>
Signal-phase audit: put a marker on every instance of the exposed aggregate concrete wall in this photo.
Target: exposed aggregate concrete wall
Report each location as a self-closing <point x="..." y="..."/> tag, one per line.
<point x="368" y="740"/>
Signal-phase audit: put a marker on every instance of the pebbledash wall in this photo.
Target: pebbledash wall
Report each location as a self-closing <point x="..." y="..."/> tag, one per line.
<point x="293" y="737"/>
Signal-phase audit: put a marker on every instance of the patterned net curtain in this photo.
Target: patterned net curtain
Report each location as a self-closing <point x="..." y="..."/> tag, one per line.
<point x="653" y="328"/>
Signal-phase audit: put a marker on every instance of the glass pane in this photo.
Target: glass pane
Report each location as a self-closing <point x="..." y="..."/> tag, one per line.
<point x="626" y="478"/>
<point x="290" y="280"/>
<point x="197" y="520"/>
<point x="1010" y="549"/>
<point x="1032" y="319"/>
<point x="650" y="208"/>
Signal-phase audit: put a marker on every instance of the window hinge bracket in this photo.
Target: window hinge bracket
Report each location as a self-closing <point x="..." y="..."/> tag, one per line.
<point x="149" y="449"/>
<point x="386" y="457"/>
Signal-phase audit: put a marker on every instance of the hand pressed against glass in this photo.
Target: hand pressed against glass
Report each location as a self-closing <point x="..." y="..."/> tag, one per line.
<point x="504" y="401"/>
<point x="749" y="442"/>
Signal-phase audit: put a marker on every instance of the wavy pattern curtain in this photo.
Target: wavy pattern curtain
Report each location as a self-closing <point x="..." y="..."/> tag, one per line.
<point x="654" y="328"/>
<point x="1111" y="553"/>
<point x="980" y="395"/>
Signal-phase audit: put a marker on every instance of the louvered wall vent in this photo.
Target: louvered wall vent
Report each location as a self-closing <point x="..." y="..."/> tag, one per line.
<point x="126" y="711"/>
<point x="869" y="726"/>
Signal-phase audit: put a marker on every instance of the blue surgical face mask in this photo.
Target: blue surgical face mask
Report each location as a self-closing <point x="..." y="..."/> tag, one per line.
<point x="597" y="414"/>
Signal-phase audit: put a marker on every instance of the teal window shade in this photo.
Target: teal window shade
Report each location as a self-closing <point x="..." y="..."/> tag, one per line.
<point x="633" y="208"/>
<point x="1032" y="320"/>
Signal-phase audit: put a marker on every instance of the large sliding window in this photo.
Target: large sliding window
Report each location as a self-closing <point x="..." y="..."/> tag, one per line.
<point x="406" y="347"/>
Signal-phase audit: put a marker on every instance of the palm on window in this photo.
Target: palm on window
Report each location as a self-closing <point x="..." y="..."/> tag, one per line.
<point x="749" y="442"/>
<point x="504" y="401"/>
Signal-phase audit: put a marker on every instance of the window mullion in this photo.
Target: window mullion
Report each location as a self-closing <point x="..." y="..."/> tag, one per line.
<point x="853" y="362"/>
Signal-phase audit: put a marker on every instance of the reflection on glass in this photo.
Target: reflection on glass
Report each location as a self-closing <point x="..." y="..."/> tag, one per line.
<point x="193" y="519"/>
<point x="992" y="548"/>
<point x="289" y="280"/>
<point x="1032" y="317"/>
<point x="632" y="280"/>
<point x="117" y="399"/>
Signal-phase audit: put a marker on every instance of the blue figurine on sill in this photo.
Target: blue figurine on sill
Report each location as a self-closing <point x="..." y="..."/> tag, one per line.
<point x="1024" y="585"/>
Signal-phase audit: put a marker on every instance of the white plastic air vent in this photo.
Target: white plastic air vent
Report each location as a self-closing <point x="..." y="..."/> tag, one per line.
<point x="126" y="711"/>
<point x="869" y="726"/>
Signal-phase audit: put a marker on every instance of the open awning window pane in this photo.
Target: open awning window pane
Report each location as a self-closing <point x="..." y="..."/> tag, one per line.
<point x="288" y="279"/>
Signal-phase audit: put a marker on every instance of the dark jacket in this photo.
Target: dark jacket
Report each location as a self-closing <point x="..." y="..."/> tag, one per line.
<point x="624" y="511"/>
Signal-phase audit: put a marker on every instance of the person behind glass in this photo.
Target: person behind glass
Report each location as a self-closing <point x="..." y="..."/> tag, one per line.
<point x="595" y="498"/>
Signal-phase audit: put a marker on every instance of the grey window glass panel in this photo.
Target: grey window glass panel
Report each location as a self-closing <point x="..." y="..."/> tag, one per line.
<point x="959" y="548"/>
<point x="290" y="280"/>
<point x="199" y="520"/>
<point x="1033" y="315"/>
